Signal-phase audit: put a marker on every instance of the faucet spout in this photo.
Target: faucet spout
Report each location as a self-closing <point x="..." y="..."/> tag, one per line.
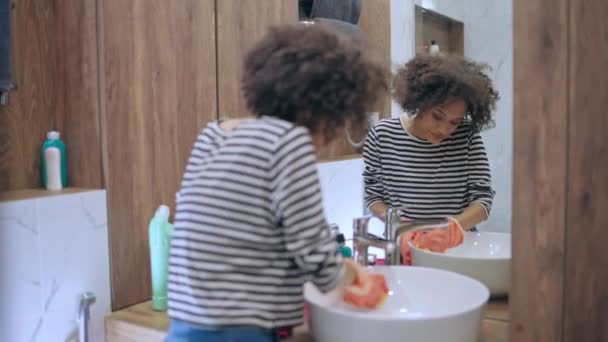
<point x="395" y="225"/>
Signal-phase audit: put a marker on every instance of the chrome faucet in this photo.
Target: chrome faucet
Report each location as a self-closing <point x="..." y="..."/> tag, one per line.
<point x="362" y="239"/>
<point x="394" y="226"/>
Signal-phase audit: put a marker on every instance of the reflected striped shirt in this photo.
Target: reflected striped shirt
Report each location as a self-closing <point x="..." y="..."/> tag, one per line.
<point x="250" y="228"/>
<point x="432" y="181"/>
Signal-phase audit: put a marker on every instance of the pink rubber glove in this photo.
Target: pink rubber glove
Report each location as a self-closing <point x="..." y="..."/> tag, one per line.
<point x="367" y="290"/>
<point x="436" y="240"/>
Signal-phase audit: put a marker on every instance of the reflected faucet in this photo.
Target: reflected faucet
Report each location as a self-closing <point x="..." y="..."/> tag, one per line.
<point x="362" y="239"/>
<point x="394" y="226"/>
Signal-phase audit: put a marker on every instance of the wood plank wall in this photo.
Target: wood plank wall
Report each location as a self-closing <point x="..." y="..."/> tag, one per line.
<point x="375" y="23"/>
<point x="586" y="270"/>
<point x="539" y="169"/>
<point x="55" y="90"/>
<point x="560" y="263"/>
<point x="240" y="24"/>
<point x="159" y="77"/>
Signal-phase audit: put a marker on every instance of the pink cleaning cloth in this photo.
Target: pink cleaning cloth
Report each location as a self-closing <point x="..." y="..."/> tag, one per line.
<point x="435" y="240"/>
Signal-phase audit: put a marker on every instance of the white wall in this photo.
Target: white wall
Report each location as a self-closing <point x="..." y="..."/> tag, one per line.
<point x="342" y="187"/>
<point x="488" y="39"/>
<point x="52" y="249"/>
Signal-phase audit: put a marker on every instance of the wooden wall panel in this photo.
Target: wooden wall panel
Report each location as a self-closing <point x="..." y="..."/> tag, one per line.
<point x="78" y="116"/>
<point x="55" y="69"/>
<point x="240" y="24"/>
<point x="539" y="169"/>
<point x="586" y="272"/>
<point x="159" y="91"/>
<point x="375" y="23"/>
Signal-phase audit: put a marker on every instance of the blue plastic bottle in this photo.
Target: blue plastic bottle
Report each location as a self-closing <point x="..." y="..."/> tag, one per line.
<point x="160" y="232"/>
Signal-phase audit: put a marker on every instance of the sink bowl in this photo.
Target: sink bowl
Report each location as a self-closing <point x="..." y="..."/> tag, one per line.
<point x="424" y="305"/>
<point x="483" y="256"/>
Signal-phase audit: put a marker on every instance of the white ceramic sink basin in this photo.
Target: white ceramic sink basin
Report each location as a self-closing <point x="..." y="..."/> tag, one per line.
<point x="424" y="305"/>
<point x="484" y="256"/>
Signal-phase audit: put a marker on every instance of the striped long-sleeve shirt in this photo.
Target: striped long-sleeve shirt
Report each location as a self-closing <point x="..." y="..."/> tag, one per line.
<point x="250" y="228"/>
<point x="432" y="181"/>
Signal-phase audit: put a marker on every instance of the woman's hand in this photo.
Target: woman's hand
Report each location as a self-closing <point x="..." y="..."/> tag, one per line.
<point x="349" y="273"/>
<point x="455" y="221"/>
<point x="379" y="210"/>
<point x="363" y="289"/>
<point x="471" y="216"/>
<point x="434" y="239"/>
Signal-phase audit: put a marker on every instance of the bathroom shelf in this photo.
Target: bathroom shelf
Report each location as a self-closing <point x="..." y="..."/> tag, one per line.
<point x="448" y="33"/>
<point x="18" y="195"/>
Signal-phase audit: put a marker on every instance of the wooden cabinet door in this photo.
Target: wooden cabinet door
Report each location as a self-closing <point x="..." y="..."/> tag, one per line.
<point x="240" y="24"/>
<point x="158" y="90"/>
<point x="560" y="163"/>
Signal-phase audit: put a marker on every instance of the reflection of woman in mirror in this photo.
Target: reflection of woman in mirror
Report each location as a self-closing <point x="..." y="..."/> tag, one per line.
<point x="432" y="160"/>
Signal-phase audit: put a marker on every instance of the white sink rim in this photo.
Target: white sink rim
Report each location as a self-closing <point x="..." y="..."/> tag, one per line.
<point x="447" y="254"/>
<point x="484" y="298"/>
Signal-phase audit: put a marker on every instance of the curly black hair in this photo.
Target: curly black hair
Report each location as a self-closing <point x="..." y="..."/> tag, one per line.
<point x="430" y="80"/>
<point x="312" y="76"/>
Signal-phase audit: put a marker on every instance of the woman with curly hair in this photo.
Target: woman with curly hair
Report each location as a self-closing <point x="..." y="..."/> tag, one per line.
<point x="249" y="225"/>
<point x="432" y="160"/>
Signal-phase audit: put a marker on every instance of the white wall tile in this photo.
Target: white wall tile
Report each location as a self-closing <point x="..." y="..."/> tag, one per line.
<point x="56" y="248"/>
<point x="342" y="186"/>
<point x="454" y="9"/>
<point x="20" y="284"/>
<point x="402" y="39"/>
<point x="75" y="259"/>
<point x="489" y="39"/>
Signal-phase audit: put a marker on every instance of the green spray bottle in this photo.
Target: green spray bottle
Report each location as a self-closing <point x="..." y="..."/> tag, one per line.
<point x="160" y="232"/>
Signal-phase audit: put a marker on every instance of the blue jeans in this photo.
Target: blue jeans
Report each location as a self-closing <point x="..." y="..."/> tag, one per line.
<point x="180" y="331"/>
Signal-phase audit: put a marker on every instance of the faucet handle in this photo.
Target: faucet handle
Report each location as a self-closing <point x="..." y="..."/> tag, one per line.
<point x="334" y="229"/>
<point x="390" y="247"/>
<point x="360" y="225"/>
<point x="396" y="210"/>
<point x="394" y="213"/>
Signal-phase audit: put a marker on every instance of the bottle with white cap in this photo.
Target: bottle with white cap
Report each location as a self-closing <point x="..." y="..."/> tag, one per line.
<point x="434" y="48"/>
<point x="160" y="232"/>
<point x="54" y="162"/>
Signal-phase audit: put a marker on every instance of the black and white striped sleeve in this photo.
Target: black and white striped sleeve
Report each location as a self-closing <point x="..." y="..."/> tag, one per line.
<point x="298" y="207"/>
<point x="479" y="179"/>
<point x="372" y="173"/>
